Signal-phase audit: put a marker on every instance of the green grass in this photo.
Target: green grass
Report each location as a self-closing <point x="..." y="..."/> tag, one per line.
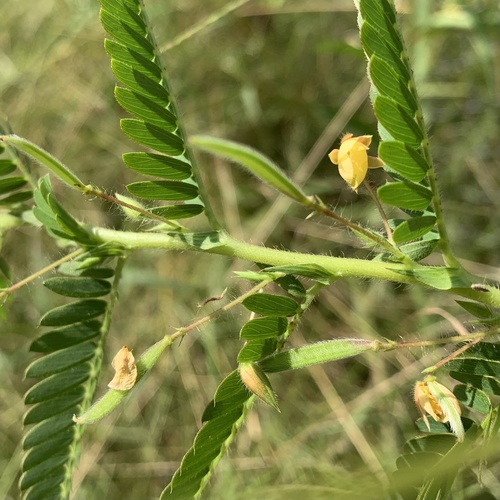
<point x="274" y="79"/>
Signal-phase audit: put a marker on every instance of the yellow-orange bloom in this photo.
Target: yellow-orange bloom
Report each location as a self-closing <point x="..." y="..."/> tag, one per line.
<point x="353" y="160"/>
<point x="434" y="399"/>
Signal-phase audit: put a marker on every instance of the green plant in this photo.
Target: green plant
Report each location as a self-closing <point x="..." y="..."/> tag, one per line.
<point x="285" y="283"/>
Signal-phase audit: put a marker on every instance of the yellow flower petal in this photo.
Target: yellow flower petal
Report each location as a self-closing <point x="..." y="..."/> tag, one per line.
<point x="365" y="139"/>
<point x="334" y="156"/>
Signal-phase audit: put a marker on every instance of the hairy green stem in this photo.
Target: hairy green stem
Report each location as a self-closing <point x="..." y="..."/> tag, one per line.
<point x="223" y="244"/>
<point x="320" y="208"/>
<point x="470" y="337"/>
<point x="444" y="242"/>
<point x="98" y="193"/>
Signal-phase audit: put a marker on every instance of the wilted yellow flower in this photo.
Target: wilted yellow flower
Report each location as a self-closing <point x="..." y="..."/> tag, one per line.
<point x="440" y="403"/>
<point x="126" y="371"/>
<point x="353" y="160"/>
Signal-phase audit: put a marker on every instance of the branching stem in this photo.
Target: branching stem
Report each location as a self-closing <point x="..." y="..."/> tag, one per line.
<point x="453" y="355"/>
<point x="214" y="314"/>
<point x="319" y="207"/>
<point x="92" y="191"/>
<point x="472" y="337"/>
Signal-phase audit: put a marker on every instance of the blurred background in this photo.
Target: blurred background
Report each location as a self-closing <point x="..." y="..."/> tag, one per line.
<point x="288" y="78"/>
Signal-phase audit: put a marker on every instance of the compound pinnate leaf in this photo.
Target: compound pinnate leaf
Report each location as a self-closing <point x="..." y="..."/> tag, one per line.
<point x="68" y="368"/>
<point x="137" y="66"/>
<point x="222" y="419"/>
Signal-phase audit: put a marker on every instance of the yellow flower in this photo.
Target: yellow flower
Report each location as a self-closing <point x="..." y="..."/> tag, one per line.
<point x="353" y="160"/>
<point x="440" y="403"/>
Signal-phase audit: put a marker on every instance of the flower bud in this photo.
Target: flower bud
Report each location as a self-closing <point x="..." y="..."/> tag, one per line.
<point x="440" y="403"/>
<point x="127" y="210"/>
<point x="353" y="160"/>
<point x="256" y="381"/>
